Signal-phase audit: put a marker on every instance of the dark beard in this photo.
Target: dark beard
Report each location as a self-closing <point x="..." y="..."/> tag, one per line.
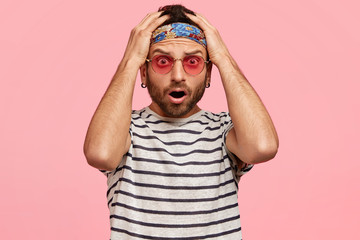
<point x="171" y="109"/>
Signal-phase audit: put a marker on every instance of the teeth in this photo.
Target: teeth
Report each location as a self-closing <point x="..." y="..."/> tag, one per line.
<point x="177" y="94"/>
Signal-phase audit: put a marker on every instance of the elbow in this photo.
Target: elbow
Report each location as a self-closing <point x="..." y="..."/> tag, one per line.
<point x="99" y="159"/>
<point x="263" y="153"/>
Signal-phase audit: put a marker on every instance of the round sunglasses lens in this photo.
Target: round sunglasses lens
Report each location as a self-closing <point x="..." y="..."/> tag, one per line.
<point x="193" y="64"/>
<point x="162" y="64"/>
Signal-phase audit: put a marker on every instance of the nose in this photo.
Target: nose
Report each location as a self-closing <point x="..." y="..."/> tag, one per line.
<point x="177" y="71"/>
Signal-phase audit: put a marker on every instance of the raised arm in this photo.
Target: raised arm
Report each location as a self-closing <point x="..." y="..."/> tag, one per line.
<point x="107" y="138"/>
<point x="253" y="138"/>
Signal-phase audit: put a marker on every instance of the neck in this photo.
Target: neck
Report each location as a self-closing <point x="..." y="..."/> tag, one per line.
<point x="156" y="108"/>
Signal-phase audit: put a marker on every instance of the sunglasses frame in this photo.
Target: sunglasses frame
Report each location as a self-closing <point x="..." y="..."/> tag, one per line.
<point x="174" y="60"/>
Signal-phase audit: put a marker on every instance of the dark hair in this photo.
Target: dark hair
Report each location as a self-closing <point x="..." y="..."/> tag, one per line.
<point x="177" y="14"/>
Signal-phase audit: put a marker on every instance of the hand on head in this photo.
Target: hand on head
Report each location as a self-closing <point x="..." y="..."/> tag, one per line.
<point x="216" y="47"/>
<point x="139" y="41"/>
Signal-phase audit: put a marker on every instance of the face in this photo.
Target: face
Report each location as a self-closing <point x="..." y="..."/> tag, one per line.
<point x="176" y="93"/>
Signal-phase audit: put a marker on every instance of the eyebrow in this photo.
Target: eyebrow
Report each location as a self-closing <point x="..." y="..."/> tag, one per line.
<point x="160" y="51"/>
<point x="168" y="53"/>
<point x="194" y="52"/>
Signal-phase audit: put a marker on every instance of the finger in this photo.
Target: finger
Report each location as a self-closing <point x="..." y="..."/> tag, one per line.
<point x="148" y="24"/>
<point x="203" y="18"/>
<point x="204" y="24"/>
<point x="158" y="21"/>
<point x="152" y="20"/>
<point x="144" y="29"/>
<point x="199" y="21"/>
<point x="149" y="15"/>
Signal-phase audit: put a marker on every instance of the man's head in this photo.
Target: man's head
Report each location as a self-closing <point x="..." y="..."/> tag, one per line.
<point x="177" y="71"/>
<point x="177" y="15"/>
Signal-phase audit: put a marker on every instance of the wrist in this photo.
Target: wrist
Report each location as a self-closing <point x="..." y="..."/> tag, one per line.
<point x="127" y="69"/>
<point x="132" y="63"/>
<point x="226" y="63"/>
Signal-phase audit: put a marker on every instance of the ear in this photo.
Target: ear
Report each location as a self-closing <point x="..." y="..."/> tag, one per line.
<point x="143" y="72"/>
<point x="208" y="73"/>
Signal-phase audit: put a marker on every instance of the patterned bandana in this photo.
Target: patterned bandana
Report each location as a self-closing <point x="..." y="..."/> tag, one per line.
<point x="177" y="30"/>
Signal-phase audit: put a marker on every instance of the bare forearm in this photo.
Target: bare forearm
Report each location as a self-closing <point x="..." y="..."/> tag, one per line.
<point x="254" y="130"/>
<point x="107" y="139"/>
<point x="108" y="131"/>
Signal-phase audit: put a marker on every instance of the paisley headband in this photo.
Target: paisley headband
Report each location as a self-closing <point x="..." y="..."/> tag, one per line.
<point x="177" y="30"/>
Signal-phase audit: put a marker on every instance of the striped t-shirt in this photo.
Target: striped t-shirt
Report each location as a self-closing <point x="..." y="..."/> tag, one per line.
<point x="177" y="181"/>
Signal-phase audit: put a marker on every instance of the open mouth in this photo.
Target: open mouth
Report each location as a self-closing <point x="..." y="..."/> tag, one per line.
<point x="176" y="94"/>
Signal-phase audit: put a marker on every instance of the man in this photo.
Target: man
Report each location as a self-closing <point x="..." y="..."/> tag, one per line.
<point x="173" y="168"/>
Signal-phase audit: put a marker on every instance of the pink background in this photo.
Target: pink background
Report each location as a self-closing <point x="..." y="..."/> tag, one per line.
<point x="302" y="57"/>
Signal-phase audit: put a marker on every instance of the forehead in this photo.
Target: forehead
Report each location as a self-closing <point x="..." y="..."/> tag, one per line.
<point x="177" y="47"/>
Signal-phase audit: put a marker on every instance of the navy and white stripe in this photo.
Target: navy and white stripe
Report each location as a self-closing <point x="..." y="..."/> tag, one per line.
<point x="178" y="181"/>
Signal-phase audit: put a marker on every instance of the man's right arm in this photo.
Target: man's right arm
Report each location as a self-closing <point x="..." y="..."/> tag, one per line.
<point x="108" y="138"/>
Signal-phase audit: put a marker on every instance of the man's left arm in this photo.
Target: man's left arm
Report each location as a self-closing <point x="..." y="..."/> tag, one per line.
<point x="253" y="139"/>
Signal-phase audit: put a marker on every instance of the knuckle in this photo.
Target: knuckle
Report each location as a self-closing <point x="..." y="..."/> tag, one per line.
<point x="135" y="29"/>
<point x="142" y="33"/>
<point x="214" y="30"/>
